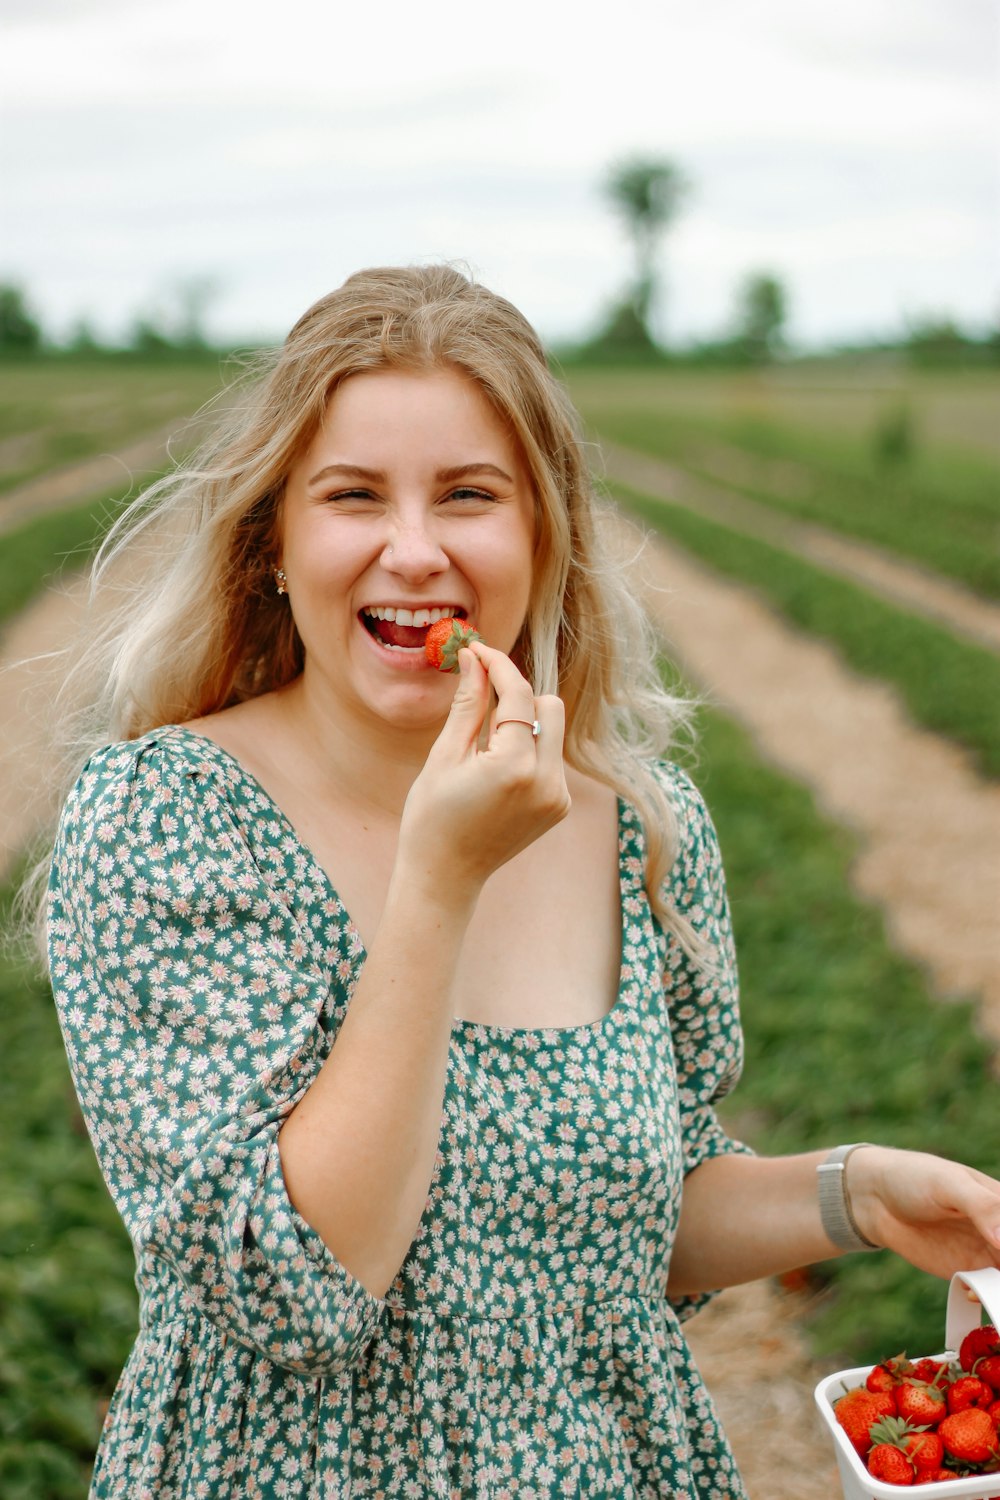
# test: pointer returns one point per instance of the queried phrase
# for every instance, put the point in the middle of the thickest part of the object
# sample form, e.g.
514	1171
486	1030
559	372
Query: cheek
319	558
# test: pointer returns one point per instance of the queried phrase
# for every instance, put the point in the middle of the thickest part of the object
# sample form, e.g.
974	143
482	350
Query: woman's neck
343	756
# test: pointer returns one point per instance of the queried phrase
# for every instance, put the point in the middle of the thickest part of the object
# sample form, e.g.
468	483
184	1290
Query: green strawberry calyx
893	1430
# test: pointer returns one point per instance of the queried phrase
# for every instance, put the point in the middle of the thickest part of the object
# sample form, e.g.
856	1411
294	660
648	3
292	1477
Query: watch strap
835	1201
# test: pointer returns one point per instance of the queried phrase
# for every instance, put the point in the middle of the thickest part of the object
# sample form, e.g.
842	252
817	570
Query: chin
426	717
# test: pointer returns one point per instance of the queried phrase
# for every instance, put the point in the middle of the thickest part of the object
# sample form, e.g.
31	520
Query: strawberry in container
931	1422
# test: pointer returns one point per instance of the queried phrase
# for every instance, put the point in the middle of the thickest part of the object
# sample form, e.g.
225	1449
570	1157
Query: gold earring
280	581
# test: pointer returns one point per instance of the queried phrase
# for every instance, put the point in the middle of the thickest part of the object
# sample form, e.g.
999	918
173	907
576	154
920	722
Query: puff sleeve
193	1021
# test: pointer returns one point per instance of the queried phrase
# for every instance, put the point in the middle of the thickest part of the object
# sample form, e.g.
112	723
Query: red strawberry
969	1436
933	1476
982	1340
931	1370
922	1404
969	1390
858	1410
888	1463
881	1378
887	1375
445	638
994	1413
988	1369
924	1449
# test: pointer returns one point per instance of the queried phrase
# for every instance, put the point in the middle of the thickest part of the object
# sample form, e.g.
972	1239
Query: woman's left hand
937	1214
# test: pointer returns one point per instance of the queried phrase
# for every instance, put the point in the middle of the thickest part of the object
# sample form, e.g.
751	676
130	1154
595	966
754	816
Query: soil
928	829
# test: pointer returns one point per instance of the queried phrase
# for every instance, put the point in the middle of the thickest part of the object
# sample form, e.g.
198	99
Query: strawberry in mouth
401	629
445	640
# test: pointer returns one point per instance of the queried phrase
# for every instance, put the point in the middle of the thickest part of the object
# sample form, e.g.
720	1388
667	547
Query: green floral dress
526	1350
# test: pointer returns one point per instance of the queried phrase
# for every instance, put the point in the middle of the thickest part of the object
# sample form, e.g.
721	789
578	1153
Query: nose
412	549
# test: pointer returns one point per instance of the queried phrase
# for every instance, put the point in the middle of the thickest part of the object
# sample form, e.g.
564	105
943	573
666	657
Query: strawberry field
845	1040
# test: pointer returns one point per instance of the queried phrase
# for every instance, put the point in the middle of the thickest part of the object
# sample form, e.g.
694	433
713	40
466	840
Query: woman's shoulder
677	784
685	798
153	767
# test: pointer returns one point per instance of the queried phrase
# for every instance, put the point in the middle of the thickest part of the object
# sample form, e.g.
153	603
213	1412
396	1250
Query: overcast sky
850	148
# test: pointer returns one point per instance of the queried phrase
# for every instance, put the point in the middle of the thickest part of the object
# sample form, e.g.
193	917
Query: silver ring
531	724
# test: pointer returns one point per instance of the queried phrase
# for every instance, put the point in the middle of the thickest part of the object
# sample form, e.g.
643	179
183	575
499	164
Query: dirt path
119	472
904	583
750	1348
929	831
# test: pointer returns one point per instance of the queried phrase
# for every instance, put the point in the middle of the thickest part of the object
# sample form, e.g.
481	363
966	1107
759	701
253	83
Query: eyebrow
378	476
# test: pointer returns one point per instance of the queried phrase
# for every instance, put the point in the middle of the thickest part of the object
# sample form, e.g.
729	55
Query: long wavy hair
203	628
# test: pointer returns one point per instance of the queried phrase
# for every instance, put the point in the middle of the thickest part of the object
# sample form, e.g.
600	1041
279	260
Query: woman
398	1009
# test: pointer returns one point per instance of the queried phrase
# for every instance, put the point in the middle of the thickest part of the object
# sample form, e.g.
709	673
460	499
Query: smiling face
411	502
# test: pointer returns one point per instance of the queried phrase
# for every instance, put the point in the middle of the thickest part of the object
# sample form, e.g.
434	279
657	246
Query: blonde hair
206	629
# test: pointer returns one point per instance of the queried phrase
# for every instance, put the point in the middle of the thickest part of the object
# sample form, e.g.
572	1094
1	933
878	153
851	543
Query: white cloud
282	147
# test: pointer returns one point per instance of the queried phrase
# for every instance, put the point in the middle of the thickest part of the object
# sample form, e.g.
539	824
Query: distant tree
939	341
177	322
762	306
894	436
147	336
194	295
647	193
83	338
20	331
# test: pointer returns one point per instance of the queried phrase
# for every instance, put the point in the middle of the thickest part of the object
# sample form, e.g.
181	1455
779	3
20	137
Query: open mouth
405	629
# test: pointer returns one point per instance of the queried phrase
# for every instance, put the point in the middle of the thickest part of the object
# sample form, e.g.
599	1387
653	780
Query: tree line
647	194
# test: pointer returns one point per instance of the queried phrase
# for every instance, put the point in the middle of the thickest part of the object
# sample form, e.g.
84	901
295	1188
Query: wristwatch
835	1201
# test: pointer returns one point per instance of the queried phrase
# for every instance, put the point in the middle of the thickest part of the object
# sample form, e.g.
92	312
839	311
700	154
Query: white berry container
961	1317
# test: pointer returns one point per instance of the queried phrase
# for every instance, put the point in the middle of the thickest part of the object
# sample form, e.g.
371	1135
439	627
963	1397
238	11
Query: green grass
67	1304
952	412
949	686
57	411
941	507
53	543
844	1042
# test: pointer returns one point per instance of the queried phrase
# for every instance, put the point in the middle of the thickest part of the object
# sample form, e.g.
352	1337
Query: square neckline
627	886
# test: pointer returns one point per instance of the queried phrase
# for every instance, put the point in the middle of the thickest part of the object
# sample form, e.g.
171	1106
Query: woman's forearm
358	1150
744	1217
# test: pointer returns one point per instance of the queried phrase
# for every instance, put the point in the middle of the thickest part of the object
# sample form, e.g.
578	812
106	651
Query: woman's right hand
471	810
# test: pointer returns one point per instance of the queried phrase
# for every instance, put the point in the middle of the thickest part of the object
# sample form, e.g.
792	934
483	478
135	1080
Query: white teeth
412	616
